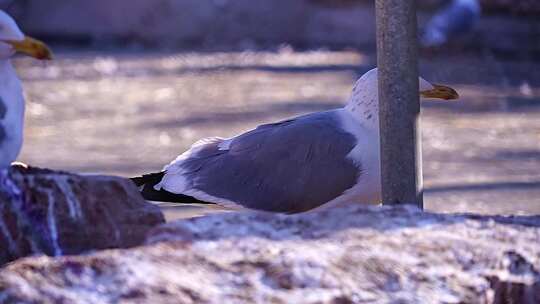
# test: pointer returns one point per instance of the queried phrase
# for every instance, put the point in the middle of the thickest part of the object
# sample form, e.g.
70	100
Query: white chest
366	154
11	114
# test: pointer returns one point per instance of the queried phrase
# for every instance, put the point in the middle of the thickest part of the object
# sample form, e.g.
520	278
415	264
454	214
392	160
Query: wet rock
62	213
516	280
348	255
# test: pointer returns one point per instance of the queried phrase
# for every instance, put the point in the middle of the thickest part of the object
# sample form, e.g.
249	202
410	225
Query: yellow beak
31	47
440	92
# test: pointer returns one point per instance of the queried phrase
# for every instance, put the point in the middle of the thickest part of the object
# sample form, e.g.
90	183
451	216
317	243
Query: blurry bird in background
12	103
456	18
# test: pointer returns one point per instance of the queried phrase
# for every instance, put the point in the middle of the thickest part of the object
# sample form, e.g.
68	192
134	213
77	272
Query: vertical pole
399	105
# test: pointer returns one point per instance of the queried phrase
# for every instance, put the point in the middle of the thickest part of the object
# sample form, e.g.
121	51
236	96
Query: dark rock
516	280
62	213
347	255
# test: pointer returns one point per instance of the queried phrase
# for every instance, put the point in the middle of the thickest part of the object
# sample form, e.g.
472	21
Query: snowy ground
130	113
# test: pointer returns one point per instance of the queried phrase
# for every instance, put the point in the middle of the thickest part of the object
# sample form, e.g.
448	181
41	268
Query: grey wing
290	166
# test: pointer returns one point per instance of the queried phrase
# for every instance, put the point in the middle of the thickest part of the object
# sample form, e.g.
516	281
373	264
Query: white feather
174	180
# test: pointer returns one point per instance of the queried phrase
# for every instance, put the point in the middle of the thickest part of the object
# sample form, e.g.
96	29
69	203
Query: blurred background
135	83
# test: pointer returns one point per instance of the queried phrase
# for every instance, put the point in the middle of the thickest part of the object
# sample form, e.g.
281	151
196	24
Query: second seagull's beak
440	92
31	47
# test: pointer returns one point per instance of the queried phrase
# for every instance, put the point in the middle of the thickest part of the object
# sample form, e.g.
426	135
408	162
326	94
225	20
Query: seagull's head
364	100
12	41
369	82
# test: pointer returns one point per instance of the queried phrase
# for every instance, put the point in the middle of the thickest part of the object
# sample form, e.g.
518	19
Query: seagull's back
290	166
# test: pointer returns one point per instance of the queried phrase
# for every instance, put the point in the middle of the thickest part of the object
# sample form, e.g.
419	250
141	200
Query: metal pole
399	105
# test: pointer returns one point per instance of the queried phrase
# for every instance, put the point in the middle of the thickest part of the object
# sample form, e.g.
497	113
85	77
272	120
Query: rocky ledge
62	213
348	255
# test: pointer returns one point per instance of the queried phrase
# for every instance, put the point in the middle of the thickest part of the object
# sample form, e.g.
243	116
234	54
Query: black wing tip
151	194
148	181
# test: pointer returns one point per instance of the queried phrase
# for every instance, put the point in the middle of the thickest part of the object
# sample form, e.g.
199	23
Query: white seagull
317	160
12	40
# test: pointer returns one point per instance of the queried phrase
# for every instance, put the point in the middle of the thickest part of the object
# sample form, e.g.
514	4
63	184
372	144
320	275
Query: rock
347	255
63	213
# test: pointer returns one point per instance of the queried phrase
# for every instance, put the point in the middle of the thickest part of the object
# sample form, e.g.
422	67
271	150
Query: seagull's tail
148	181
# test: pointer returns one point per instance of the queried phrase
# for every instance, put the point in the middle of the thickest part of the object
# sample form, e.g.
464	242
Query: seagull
12	41
317	160
458	17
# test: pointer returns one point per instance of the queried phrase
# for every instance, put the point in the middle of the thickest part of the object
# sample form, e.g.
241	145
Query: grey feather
289	166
